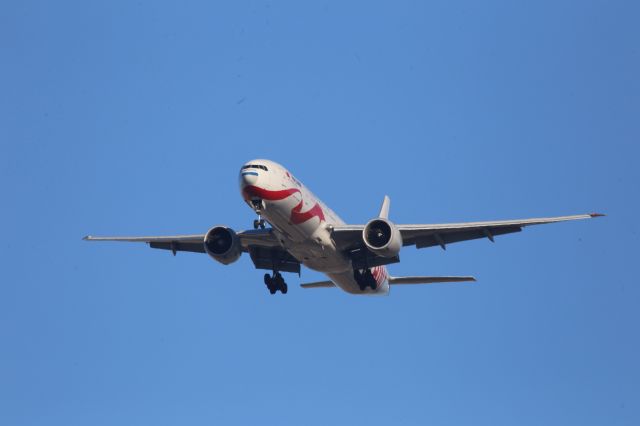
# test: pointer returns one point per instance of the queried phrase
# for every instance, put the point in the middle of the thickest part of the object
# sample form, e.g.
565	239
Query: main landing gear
365	279
275	283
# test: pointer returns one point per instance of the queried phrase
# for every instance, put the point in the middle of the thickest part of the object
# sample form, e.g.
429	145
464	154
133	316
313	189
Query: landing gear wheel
275	282
259	223
360	279
268	281
365	279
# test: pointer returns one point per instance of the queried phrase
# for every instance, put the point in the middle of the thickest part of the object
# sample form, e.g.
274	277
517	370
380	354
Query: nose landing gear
275	283
259	222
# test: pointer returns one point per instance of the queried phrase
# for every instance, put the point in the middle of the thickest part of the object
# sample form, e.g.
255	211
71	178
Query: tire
360	279
284	288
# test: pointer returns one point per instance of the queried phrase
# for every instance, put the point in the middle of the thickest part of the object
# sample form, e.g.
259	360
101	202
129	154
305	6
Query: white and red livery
304	231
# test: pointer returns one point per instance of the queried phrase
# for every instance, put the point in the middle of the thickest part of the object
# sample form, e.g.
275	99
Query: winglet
86	238
384	209
597	214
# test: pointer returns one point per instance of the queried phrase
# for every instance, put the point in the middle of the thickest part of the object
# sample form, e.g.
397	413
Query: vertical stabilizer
384	210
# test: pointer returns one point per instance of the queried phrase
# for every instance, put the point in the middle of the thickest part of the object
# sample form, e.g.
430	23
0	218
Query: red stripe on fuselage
379	274
265	194
297	217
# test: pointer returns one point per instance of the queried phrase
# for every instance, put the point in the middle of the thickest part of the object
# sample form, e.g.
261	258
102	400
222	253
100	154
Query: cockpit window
255	166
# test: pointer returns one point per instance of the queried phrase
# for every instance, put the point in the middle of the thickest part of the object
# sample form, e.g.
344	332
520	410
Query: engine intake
222	244
382	237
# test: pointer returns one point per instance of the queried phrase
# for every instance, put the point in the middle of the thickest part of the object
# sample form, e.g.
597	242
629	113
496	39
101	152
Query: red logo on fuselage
297	216
379	274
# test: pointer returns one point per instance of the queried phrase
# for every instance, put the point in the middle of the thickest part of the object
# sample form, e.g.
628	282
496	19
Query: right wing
261	244
193	243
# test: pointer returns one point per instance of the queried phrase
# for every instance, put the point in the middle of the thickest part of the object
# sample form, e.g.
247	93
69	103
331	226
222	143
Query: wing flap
274	259
432	239
193	247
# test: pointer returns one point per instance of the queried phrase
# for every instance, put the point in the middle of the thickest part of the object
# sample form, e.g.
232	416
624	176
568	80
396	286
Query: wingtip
597	214
86	238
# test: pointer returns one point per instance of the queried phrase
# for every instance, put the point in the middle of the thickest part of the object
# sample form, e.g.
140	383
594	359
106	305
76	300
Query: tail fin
384	209
428	280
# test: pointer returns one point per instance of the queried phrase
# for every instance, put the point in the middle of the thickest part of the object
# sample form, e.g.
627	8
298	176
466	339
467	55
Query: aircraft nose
248	177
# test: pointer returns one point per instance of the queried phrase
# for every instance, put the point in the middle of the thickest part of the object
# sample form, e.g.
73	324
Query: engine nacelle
382	237
222	244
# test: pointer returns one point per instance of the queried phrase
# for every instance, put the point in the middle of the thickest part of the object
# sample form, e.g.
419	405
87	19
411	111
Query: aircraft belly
309	241
318	257
304	235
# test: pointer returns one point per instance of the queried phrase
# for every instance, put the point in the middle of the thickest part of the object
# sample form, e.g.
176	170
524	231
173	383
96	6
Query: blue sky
134	118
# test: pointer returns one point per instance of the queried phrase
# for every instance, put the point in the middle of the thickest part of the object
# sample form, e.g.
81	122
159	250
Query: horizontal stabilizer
318	284
399	280
428	280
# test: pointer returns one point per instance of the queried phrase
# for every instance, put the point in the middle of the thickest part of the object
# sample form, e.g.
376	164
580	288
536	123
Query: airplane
304	231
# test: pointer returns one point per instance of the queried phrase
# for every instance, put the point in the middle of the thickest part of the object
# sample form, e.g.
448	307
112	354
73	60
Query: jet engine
222	244
382	237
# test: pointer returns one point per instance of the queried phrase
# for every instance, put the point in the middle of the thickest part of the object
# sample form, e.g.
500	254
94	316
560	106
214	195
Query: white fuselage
302	223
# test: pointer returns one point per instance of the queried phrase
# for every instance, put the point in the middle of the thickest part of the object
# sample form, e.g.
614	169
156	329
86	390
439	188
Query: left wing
349	237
